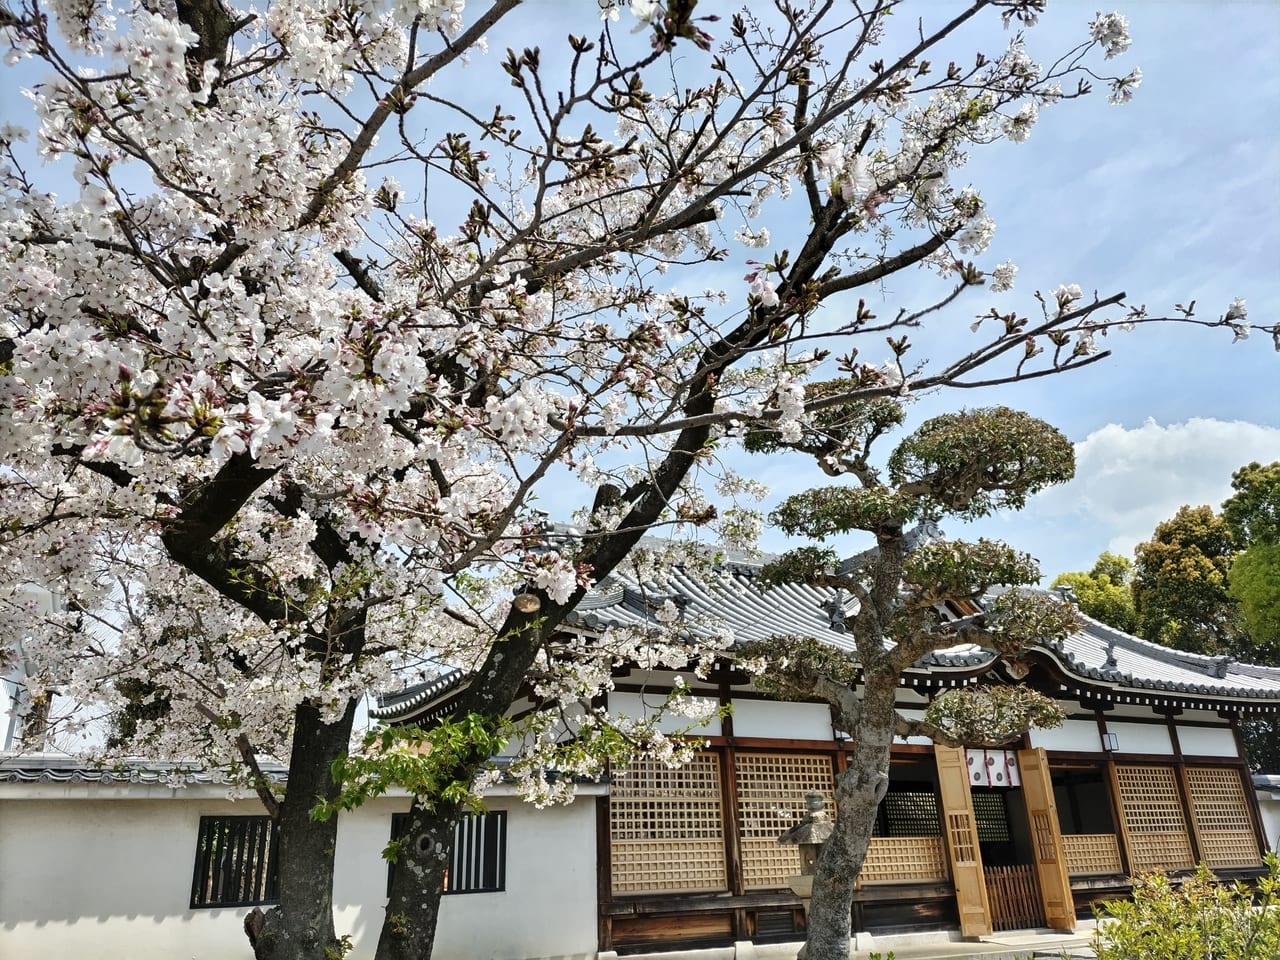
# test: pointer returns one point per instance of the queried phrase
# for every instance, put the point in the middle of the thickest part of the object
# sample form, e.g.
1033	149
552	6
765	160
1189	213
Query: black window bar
236	862
478	860
908	812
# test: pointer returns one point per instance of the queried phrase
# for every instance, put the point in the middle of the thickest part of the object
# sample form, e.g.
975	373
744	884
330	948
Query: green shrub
1197	919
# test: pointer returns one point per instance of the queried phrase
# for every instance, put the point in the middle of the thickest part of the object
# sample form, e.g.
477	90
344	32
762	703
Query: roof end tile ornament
834	609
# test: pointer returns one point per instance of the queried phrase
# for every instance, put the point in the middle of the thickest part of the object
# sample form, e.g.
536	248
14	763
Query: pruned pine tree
912	595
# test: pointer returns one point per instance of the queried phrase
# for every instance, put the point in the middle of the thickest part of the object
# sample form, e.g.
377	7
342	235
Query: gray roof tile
728	596
57	768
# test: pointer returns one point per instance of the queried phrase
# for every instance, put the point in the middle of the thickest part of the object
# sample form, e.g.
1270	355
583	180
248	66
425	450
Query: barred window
993	819
910	811
478	861
236	862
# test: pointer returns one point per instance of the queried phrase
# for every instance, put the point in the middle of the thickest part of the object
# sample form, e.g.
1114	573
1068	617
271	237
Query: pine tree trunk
301	927
859	791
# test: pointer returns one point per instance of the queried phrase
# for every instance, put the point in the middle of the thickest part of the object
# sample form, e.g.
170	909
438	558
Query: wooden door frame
1048	855
960	829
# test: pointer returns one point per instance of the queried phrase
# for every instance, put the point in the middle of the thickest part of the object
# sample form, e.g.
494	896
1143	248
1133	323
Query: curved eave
1108	685
411	703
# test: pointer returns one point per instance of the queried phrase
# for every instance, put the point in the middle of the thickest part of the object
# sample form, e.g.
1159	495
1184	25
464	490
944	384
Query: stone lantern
809	835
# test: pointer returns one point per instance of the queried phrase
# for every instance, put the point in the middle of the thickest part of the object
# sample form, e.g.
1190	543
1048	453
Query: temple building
1148	772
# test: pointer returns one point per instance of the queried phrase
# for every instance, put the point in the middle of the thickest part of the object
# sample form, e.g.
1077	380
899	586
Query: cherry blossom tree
308	304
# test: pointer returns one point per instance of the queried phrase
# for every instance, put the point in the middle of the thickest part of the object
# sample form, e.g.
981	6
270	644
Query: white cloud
1128	480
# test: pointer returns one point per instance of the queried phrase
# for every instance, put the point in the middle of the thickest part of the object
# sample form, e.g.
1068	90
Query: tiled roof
58	768
1109	663
1097	655
43	768
727	598
1103	654
393	706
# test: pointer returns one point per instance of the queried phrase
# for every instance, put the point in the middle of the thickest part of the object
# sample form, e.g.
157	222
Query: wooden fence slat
1014	897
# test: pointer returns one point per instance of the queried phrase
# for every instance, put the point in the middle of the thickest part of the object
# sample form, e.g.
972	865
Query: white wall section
110	879
781	721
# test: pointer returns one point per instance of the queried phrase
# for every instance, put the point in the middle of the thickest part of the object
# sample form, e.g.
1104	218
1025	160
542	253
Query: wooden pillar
1046	840
729	819
1184	792
1255	814
604	874
729	822
1188	811
961	832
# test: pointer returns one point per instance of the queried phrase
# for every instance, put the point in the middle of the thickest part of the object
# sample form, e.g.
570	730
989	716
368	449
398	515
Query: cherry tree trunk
301	927
413	909
859	791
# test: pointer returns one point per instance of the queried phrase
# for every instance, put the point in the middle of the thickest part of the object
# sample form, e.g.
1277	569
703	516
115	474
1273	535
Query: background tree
1252	514
1104	593
961	465
1255	586
275	420
1180	589
1206	581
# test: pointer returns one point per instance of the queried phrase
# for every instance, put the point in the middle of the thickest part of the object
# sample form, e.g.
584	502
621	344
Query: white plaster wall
639	706
1142	737
782	721
549	907
102	879
1199	716
1207	742
1269	806
1072	735
913	715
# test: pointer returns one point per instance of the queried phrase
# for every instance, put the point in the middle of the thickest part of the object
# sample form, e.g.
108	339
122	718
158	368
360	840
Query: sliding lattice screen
1222	817
1153	816
771	789
1091	854
665	827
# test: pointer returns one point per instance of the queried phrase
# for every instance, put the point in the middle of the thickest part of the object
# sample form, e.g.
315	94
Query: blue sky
1175	196
1172	197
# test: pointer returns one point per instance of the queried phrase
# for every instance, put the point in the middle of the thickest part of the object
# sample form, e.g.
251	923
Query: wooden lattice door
1155	829
1014	897
771	789
666	830
960	829
1046	840
1223	824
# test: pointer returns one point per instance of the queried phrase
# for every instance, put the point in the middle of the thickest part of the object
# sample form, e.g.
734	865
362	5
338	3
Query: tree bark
413	909
859	790
301	927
